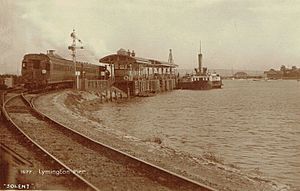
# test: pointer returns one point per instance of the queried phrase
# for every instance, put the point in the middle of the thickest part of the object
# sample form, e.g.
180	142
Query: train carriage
42	70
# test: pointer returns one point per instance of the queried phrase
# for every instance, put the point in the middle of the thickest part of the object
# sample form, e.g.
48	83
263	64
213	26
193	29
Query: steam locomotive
44	70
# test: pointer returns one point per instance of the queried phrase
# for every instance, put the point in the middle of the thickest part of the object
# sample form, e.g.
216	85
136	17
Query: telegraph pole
73	48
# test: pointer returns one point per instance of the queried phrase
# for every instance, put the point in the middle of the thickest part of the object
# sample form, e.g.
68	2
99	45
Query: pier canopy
125	65
123	59
126	59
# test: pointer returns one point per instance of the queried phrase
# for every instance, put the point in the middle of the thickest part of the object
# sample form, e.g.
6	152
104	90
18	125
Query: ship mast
200	61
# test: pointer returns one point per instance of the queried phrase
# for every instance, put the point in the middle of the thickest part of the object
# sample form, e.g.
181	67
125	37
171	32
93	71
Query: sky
235	34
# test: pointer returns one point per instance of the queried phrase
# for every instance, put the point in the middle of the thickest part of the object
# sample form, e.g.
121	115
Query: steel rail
10	121
127	157
17	157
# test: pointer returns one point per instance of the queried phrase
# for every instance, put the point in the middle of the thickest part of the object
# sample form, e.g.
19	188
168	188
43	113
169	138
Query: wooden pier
104	88
137	76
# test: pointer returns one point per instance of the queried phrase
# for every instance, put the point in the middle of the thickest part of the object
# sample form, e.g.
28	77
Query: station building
137	76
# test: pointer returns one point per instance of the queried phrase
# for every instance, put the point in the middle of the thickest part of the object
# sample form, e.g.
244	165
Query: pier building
137	76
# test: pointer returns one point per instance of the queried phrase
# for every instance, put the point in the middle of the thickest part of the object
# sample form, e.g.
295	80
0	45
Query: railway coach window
56	67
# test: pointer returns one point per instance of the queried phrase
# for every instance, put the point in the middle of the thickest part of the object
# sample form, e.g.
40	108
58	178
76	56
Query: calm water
254	125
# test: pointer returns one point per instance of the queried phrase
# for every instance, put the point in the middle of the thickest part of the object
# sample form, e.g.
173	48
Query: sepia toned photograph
150	95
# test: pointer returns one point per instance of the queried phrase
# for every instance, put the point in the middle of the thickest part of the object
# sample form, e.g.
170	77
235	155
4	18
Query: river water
253	125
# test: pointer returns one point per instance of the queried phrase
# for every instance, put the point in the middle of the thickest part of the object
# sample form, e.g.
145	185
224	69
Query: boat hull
195	85
217	84
200	85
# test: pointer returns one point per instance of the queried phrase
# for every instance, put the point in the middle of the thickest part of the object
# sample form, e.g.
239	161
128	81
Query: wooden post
106	94
1	103
148	72
128	93
110	92
2	98
128	90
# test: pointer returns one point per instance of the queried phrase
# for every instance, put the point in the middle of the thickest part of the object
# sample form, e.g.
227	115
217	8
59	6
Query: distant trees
283	68
294	72
241	75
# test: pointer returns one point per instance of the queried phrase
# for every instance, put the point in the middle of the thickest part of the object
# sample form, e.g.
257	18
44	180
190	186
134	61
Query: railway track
100	166
33	178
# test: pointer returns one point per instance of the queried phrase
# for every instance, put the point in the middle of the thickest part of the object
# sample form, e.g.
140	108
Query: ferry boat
201	80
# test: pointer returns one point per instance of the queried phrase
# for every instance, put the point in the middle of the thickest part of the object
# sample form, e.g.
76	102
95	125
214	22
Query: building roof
126	59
